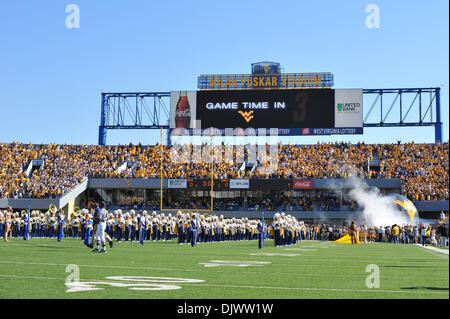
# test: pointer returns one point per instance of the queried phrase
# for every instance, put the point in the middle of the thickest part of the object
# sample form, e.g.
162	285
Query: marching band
130	226
190	228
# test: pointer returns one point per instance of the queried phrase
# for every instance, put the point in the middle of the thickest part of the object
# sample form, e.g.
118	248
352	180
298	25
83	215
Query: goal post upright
212	170
161	173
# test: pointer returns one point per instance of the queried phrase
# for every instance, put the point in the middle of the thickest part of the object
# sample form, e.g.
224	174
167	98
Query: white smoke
378	209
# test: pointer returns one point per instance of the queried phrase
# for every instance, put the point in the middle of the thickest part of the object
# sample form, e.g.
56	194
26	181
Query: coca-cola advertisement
302	184
183	109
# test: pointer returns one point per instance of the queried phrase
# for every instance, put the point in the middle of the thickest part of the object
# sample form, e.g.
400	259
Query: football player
100	231
100	211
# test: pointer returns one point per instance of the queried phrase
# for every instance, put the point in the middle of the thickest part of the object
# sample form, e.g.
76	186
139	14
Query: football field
45	268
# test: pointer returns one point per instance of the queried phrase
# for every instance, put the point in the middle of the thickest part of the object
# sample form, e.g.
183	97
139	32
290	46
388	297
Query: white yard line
31	277
197	270
267	287
227	271
443	251
325	289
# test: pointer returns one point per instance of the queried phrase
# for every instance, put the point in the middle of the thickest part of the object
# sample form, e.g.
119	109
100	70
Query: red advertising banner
302	184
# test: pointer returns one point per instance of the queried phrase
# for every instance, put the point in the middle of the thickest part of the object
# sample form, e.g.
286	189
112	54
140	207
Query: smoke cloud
378	209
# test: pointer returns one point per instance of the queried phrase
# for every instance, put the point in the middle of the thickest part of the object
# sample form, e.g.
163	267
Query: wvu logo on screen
247	115
266	68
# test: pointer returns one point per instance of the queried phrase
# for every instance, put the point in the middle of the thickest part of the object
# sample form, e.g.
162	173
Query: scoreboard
306	111
205	184
237	184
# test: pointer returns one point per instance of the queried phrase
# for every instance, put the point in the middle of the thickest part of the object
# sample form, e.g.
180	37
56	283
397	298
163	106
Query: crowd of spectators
423	168
396	234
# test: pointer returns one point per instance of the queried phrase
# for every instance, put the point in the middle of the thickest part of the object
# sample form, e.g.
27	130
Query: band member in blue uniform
26	224
148	228
88	229
133	225
83	217
120	227
75	224
2	222
32	224
61	226
276	229
42	226
155	230
180	228
260	235
15	225
188	229
194	231
142	227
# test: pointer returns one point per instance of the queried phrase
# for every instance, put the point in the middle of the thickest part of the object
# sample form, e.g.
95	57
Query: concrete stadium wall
389	183
432	206
154	183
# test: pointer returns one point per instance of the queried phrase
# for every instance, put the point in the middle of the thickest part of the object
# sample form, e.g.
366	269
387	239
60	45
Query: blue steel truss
135	110
409	107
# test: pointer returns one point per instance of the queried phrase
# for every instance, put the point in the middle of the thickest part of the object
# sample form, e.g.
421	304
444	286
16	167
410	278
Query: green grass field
226	270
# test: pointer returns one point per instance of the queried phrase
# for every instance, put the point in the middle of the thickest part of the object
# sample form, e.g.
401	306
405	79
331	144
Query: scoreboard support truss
133	110
148	110
414	107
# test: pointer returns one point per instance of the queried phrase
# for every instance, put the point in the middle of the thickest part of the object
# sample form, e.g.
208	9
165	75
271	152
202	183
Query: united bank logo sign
177	183
349	107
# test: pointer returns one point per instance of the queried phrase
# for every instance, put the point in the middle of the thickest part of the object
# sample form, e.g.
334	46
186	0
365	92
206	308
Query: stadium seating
423	168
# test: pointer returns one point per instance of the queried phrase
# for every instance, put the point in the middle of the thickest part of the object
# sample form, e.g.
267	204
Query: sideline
443	251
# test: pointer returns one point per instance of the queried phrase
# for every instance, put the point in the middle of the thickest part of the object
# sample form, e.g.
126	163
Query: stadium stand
422	168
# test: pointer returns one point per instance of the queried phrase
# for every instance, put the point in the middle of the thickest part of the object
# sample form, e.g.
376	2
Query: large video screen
266	108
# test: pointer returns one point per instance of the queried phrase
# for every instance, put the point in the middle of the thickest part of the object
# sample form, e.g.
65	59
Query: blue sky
51	77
